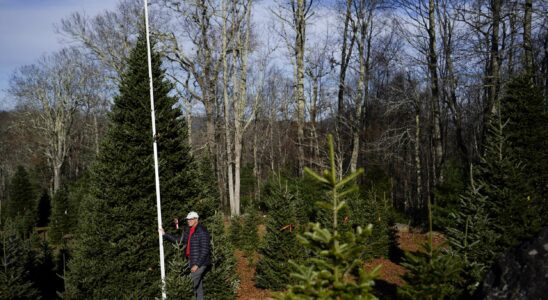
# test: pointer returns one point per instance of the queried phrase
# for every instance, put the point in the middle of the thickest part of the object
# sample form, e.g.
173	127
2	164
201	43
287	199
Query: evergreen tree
16	261
447	194
523	108
236	231
44	210
472	237
178	281
116	254
62	217
514	214
334	270
280	241
43	274
221	281
250	236
22	206
432	273
497	210
376	210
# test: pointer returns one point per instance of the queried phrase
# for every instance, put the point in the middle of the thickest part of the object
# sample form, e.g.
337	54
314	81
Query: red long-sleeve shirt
188	241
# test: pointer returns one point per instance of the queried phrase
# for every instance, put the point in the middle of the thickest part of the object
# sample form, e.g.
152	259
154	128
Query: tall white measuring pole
155	147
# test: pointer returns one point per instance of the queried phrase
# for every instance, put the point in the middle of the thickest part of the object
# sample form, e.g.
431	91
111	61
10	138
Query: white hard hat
192	215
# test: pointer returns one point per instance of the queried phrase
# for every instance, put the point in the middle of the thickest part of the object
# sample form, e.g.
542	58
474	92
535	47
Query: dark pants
197	282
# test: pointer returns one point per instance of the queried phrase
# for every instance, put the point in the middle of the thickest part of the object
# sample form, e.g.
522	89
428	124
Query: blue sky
27	32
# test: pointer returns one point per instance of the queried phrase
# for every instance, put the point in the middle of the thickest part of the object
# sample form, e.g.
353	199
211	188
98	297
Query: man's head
192	218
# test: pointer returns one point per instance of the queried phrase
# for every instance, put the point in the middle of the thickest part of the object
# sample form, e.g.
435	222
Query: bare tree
527	41
108	36
364	21
50	93
295	14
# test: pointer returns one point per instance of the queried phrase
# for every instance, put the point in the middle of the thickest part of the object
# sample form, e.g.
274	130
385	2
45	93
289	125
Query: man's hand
194	268
161	231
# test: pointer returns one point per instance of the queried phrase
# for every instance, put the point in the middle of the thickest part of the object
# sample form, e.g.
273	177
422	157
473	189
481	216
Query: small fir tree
43	274
62	217
16	261
22	201
44	210
447	194
432	272
334	270
178	281
374	209
280	241
236	231
250	235
116	252
221	281
471	236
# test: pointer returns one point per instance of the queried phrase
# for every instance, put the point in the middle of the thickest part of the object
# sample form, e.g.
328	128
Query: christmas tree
280	241
116	252
524	111
22	206
15	263
335	269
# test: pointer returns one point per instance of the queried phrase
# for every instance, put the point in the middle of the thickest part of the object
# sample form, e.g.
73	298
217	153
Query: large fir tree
514	213
524	110
116	253
497	210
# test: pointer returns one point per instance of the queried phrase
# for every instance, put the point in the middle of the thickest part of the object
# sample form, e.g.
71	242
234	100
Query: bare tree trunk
300	38
345	60
313	113
365	37
228	143
493	67
527	44
256	174
418	164
434	86
240	102
96	133
188	116
450	80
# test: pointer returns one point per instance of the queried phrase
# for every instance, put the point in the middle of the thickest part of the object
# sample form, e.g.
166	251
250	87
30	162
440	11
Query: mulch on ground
389	271
412	241
248	290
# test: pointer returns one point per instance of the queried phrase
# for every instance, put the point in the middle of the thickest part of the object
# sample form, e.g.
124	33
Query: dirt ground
247	290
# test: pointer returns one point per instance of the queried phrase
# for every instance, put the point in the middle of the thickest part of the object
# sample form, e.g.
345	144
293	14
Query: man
196	244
